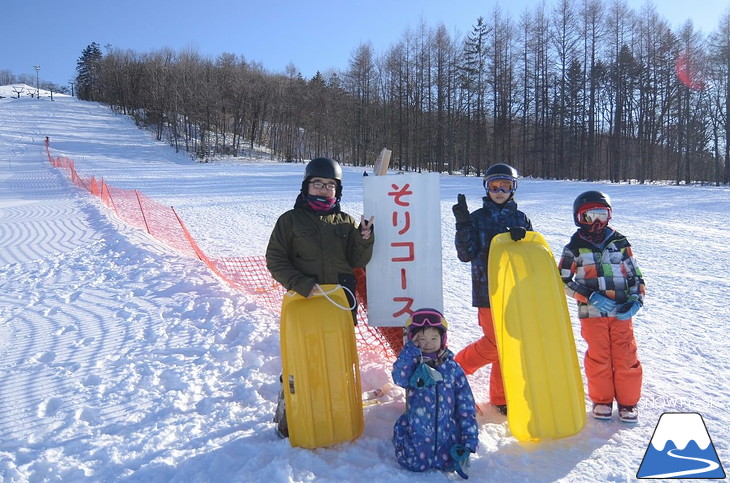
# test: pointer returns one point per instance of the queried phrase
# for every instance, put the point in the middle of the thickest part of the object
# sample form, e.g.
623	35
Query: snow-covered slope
122	361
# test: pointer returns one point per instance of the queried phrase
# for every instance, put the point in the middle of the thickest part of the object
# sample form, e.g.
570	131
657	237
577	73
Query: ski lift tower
37	84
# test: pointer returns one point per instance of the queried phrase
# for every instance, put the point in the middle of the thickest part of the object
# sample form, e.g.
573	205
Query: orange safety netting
248	274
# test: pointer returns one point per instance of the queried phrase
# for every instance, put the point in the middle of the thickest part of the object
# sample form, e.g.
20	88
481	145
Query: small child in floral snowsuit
439	428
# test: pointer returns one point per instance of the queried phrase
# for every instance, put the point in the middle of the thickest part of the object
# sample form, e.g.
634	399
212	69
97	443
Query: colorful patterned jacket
609	269
437	416
473	241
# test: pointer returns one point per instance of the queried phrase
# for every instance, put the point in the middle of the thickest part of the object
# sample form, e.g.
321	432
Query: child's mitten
601	302
424	376
461	460
629	309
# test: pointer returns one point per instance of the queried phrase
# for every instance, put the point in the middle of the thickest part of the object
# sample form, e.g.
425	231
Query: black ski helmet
323	168
501	171
590	199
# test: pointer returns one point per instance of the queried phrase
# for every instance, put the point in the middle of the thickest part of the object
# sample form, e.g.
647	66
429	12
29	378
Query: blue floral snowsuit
437	416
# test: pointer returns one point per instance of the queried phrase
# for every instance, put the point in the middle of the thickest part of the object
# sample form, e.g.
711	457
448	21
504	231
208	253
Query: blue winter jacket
473	241
436	417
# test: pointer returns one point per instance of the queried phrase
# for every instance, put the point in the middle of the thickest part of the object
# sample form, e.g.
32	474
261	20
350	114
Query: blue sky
311	34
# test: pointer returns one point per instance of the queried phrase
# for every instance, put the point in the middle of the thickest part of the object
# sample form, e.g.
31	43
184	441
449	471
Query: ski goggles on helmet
426	318
505	185
593	215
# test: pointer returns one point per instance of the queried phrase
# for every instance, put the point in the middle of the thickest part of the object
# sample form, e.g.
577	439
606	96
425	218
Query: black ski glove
461	212
517	233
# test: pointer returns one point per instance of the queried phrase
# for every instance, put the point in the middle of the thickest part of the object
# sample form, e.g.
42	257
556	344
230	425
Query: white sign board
404	273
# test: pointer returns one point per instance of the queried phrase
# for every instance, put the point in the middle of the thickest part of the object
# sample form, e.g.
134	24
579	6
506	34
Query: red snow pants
483	352
612	366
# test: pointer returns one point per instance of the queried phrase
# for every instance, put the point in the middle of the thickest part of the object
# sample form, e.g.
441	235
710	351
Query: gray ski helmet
501	171
323	168
589	199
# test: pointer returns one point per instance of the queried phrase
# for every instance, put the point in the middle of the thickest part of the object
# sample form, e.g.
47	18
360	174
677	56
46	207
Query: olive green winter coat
306	248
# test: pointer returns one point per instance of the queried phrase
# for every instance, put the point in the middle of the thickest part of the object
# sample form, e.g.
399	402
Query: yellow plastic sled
321	371
542	379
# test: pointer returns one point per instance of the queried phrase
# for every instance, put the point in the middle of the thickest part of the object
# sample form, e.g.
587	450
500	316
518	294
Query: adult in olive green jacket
315	242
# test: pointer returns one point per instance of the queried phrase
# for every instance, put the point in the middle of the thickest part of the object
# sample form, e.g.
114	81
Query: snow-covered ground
121	360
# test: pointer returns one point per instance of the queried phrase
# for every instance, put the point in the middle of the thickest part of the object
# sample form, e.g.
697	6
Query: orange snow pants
612	366
483	352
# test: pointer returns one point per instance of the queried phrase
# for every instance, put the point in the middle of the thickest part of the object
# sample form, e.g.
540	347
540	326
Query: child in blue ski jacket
474	233
439	428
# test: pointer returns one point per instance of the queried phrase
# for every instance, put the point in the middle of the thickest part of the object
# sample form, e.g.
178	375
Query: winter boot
282	428
502	408
628	414
602	411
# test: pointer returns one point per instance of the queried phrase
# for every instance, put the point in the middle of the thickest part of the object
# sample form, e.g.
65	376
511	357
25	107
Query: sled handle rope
326	295
352	297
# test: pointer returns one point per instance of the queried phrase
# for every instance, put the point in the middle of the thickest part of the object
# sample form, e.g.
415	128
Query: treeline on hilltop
582	90
8	78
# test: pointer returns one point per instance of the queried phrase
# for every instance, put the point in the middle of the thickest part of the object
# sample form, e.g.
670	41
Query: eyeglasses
593	215
503	185
320	185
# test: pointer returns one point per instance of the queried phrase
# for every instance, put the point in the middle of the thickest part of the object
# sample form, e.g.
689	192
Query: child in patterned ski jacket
599	271
439	428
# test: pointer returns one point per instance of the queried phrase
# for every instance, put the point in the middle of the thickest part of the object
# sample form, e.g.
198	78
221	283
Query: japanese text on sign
405	271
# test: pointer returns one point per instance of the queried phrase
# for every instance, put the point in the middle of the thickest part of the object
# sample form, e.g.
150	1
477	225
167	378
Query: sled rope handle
326	295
